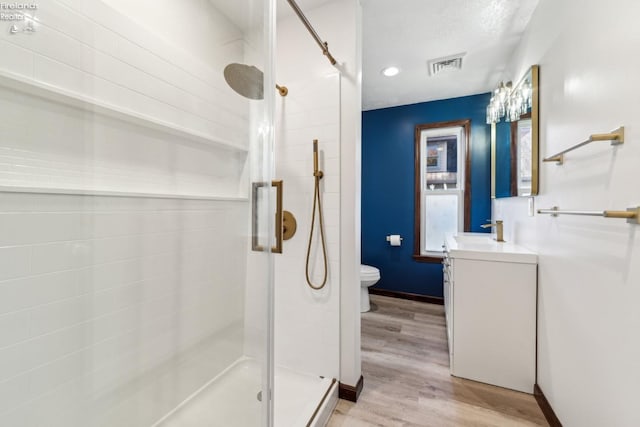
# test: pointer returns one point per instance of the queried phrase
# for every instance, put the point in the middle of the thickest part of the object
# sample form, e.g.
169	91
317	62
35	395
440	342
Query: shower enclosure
129	291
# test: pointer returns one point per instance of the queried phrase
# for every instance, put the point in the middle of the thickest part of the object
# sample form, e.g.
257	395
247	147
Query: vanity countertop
483	247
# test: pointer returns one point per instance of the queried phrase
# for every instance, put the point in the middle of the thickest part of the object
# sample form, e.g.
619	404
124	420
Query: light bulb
390	71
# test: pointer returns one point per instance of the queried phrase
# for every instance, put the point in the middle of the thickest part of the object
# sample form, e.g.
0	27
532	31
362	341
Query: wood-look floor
405	364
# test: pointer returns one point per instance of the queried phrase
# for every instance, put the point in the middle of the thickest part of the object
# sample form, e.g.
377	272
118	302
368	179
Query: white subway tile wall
91	51
111	293
307	328
113	310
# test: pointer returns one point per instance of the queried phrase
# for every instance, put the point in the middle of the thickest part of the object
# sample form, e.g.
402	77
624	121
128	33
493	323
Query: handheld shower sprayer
316	172
317	201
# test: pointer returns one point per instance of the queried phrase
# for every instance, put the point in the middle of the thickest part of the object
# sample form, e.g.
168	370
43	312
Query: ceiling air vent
438	65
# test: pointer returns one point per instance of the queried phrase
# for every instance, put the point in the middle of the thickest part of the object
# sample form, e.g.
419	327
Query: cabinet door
447	270
446	274
494	323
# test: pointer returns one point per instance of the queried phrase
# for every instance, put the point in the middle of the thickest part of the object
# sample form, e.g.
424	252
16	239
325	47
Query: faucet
499	229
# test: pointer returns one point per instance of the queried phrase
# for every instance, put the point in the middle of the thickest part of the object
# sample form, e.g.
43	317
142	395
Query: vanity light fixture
508	102
390	71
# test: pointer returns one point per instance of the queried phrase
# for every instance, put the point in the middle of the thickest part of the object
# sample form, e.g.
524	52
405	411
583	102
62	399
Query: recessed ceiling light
390	71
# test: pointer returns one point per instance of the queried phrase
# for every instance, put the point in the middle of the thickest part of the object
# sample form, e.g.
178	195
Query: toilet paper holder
394	239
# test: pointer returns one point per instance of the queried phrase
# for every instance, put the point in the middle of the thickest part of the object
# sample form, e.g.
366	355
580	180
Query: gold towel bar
632	215
616	137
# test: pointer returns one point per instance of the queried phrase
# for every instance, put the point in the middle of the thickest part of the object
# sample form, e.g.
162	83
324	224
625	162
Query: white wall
195	26
115	309
307	322
350	64
589	281
325	106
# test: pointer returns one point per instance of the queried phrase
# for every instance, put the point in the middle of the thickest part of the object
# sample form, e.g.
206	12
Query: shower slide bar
632	215
616	137
323	45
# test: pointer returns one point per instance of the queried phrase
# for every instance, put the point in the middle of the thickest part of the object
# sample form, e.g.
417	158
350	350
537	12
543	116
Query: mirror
514	145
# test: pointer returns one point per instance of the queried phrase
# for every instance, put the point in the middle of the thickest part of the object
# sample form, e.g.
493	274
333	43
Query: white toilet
369	276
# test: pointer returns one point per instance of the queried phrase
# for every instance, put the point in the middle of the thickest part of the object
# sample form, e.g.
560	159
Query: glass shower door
129	291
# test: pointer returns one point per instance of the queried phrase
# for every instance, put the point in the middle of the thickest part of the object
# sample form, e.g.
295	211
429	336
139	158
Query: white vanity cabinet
490	307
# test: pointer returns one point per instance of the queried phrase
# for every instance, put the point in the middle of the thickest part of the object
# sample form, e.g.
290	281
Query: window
442	185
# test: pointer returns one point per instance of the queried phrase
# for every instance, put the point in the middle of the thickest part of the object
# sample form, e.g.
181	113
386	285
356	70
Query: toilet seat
368	272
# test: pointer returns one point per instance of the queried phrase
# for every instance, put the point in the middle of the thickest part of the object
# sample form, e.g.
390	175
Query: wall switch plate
531	206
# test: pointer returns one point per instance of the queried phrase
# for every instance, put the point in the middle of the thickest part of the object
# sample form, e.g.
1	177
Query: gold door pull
285	222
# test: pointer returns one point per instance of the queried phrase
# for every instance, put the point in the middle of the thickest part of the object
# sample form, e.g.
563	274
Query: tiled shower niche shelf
86	103
53	94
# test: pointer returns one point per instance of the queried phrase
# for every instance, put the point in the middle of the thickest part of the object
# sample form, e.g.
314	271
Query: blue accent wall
388	186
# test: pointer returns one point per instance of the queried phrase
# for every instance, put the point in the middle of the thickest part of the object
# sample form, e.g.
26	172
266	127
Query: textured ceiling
408	33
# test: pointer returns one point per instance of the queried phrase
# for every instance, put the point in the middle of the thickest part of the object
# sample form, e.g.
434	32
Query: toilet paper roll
394	240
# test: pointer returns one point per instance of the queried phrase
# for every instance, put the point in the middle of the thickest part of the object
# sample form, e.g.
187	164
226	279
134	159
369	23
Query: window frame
465	124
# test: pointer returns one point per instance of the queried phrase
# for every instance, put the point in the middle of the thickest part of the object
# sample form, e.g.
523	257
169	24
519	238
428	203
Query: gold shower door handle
279	220
279	228
285	225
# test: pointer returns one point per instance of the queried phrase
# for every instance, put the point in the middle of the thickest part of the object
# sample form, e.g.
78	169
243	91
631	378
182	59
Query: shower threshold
233	399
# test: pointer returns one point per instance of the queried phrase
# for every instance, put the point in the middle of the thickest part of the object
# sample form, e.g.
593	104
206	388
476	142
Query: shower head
247	80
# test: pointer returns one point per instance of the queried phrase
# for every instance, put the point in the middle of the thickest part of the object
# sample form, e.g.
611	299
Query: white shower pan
232	399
